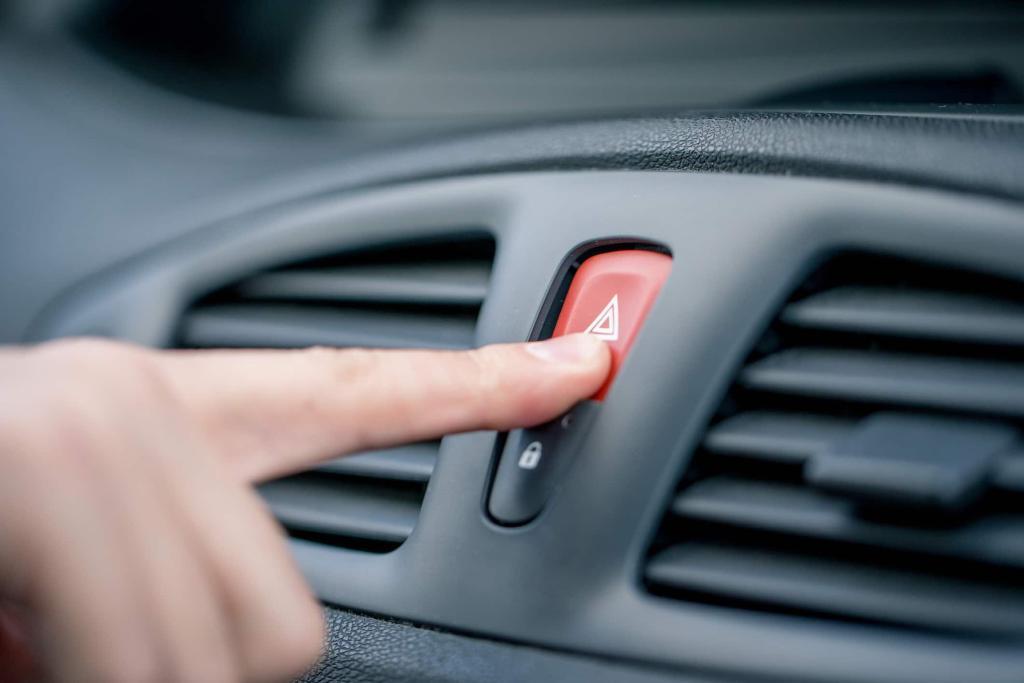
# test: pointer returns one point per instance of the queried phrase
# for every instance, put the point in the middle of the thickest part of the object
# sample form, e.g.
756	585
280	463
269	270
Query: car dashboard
808	468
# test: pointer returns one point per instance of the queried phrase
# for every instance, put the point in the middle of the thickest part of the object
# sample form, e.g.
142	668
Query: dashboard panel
749	203
571	578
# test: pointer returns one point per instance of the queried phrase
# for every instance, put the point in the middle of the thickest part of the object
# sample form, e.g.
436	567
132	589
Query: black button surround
533	462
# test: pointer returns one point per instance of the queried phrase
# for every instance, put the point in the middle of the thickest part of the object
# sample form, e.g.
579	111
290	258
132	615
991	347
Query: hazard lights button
610	296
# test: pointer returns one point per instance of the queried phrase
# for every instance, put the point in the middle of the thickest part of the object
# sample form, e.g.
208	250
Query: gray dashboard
747	204
570	579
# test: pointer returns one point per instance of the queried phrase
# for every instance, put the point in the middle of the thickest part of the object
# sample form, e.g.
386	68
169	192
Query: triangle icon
606	324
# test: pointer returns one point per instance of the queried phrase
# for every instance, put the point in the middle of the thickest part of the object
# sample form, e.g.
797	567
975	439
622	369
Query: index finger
275	412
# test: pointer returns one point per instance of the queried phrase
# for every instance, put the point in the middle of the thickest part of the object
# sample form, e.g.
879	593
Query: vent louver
866	464
422	295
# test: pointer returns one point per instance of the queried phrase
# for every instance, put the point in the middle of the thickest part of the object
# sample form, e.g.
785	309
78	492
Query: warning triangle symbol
606	324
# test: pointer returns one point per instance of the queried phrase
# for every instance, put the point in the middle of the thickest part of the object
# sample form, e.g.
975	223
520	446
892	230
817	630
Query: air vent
422	295
866	465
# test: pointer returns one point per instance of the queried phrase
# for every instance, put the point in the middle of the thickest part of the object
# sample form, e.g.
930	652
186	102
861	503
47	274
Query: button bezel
543	328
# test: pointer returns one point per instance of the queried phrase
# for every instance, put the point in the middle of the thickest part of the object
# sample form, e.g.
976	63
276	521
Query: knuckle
320	352
89	370
341	366
347	364
325	365
73	396
89	357
149	377
80	350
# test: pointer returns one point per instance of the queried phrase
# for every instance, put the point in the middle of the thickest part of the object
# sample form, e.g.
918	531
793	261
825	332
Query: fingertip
571	368
581	362
574	349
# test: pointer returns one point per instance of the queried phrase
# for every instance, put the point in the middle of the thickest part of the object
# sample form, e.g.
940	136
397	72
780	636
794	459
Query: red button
610	296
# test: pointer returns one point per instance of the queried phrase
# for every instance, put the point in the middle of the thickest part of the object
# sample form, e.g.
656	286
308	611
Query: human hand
132	545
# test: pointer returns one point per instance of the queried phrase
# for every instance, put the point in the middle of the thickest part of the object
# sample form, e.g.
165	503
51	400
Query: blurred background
507	60
123	120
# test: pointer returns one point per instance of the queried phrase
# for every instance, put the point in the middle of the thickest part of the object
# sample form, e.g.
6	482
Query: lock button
530	457
528	469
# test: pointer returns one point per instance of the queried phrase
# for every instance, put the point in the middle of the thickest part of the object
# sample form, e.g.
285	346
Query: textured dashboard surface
134	168
362	649
980	155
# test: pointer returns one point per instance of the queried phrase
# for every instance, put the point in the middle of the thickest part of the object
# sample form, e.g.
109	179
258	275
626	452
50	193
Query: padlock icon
530	457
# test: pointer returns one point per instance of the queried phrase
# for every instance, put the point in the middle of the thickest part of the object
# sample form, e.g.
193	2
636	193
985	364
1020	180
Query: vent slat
774	436
268	326
344	509
793	438
433	284
891	379
802	512
835	587
413	463
918	314
424	293
882	373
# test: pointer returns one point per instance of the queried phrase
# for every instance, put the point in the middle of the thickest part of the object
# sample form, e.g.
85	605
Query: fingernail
575	348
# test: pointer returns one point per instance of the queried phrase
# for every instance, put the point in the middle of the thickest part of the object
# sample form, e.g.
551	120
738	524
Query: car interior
809	465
